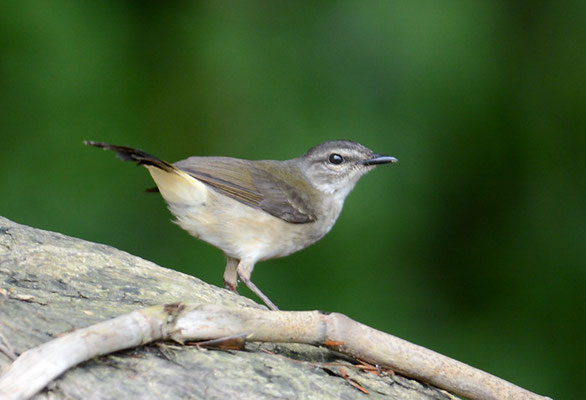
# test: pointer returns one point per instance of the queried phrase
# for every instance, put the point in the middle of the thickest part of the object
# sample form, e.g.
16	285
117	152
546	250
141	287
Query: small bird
257	210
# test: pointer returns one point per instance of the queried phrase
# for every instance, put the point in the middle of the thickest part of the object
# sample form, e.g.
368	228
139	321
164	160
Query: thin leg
230	274
244	271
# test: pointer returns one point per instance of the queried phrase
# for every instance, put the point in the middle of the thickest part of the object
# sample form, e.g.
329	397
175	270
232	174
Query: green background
473	245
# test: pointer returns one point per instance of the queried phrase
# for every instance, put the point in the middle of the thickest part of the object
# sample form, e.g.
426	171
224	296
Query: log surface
51	284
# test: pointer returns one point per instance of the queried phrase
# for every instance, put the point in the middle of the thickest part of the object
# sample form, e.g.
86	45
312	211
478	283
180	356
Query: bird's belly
244	232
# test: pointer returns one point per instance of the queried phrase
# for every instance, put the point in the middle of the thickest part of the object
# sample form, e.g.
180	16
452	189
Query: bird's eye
335	159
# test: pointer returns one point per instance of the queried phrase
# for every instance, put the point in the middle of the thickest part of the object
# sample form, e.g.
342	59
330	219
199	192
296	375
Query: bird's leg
230	274
244	271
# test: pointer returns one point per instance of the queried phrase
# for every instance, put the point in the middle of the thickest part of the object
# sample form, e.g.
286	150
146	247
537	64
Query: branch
51	283
35	368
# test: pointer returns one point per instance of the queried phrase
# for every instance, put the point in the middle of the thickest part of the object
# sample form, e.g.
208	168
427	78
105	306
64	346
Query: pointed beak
379	159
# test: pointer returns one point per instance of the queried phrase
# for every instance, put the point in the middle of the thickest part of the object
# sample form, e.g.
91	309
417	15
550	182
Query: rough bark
51	284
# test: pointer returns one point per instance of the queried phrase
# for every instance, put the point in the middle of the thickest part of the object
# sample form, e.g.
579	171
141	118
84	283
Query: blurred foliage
474	245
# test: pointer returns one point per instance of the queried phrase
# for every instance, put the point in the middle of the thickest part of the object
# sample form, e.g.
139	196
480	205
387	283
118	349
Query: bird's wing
251	185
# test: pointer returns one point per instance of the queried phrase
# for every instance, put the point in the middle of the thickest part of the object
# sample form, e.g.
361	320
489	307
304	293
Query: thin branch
35	368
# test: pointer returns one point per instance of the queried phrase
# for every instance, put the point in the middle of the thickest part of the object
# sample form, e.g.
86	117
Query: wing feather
249	184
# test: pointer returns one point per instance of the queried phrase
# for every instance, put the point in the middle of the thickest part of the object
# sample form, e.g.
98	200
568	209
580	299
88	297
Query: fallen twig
35	368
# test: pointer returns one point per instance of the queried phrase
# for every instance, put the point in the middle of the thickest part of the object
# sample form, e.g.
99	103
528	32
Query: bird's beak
379	159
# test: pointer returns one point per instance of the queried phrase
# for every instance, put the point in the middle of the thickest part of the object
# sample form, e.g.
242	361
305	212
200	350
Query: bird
257	210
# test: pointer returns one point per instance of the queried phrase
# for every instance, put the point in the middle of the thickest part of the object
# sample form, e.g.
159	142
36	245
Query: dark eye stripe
335	159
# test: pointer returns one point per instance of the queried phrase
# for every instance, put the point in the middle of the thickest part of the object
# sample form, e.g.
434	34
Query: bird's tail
129	154
176	186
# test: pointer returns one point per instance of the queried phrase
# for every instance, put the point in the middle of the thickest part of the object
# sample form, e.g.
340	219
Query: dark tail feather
129	154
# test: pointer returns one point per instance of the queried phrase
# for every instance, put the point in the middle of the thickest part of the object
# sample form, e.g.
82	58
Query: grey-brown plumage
257	210
250	184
